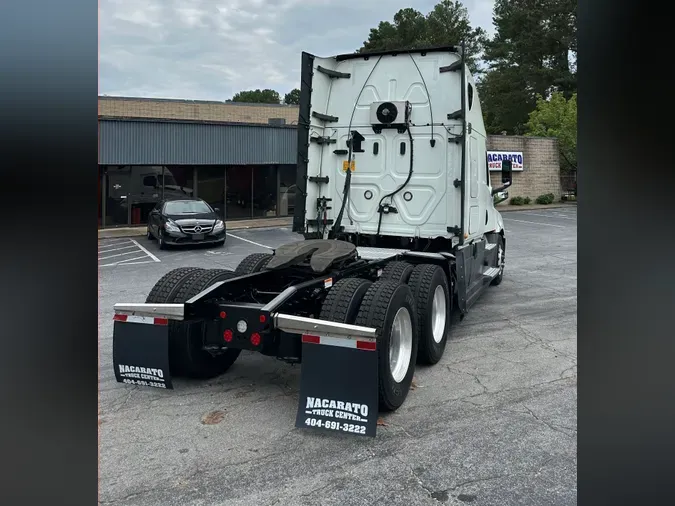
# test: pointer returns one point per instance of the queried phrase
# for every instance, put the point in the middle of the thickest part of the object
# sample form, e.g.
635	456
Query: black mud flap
338	385
141	351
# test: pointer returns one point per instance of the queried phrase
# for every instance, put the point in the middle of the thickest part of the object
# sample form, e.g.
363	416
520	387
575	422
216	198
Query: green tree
292	97
532	53
447	24
258	97
557	117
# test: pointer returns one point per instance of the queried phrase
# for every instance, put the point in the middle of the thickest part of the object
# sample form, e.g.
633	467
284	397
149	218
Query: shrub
527	200
517	201
549	198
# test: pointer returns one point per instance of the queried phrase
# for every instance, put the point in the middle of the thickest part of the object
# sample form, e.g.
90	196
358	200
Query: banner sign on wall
495	159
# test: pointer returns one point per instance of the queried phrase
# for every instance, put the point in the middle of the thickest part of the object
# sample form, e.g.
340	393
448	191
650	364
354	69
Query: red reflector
227	335
263	318
311	339
161	321
120	317
366	345
223	315
255	339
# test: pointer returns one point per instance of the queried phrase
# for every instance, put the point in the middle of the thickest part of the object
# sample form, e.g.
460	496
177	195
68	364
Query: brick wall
195	110
541	172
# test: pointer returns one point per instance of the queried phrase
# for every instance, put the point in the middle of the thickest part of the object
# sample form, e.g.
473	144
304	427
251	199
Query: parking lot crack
474	376
547	424
415	476
479	480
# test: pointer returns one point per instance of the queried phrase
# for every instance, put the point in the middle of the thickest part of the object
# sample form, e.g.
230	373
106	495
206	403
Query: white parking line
117	255
137	263
132	252
129	261
102	250
537	223
246	240
146	251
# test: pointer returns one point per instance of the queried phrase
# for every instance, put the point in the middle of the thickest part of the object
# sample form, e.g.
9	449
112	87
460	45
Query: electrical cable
432	141
410	173
345	192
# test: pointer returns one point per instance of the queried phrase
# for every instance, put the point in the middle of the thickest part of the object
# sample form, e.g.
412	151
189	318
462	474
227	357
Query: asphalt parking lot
494	423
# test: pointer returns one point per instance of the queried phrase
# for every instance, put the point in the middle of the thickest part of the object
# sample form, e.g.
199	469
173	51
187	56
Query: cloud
211	49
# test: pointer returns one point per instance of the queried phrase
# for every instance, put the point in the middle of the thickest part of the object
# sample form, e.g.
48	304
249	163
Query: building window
211	187
287	175
276	121
265	191
239	192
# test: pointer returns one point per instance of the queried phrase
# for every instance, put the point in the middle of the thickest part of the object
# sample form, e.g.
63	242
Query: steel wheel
500	258
400	345
438	314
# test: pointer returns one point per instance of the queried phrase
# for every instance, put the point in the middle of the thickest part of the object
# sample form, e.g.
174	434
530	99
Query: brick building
241	158
541	165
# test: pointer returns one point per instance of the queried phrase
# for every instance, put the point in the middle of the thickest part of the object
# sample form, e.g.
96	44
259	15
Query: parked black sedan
185	221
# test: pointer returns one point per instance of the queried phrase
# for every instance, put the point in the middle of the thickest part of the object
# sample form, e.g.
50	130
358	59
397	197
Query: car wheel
162	243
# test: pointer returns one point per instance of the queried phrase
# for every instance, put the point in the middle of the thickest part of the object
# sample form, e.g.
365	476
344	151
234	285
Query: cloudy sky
211	49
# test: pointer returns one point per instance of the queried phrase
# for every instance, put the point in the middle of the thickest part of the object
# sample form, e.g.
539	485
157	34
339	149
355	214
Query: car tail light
263	318
227	335
255	339
223	315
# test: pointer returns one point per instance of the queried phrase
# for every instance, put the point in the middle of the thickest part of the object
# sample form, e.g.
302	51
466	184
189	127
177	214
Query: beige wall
541	173
195	110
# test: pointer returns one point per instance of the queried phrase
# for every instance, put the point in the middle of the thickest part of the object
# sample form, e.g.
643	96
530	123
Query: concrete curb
230	225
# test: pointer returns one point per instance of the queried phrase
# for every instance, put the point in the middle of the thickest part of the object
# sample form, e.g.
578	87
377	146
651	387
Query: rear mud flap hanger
339	370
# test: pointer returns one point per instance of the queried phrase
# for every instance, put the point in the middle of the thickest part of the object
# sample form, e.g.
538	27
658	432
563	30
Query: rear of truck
390	152
410	128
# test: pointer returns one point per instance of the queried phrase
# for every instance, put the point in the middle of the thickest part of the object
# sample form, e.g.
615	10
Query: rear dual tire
430	288
389	307
186	356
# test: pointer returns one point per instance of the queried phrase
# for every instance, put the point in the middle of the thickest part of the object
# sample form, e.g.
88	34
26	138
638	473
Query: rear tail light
227	335
263	318
223	315
255	339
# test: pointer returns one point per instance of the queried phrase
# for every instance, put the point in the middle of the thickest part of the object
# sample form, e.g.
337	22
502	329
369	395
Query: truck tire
252	263
344	299
501	255
390	308
206	279
397	271
167	284
429	285
186	355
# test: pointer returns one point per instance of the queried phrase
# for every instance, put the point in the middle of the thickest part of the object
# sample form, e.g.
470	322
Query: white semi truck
398	229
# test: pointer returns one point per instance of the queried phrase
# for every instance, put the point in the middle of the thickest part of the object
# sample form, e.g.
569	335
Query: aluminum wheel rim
438	314
400	345
500	255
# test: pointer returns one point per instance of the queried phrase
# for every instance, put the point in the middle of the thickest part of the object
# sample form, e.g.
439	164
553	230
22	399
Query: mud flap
141	351
339	385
